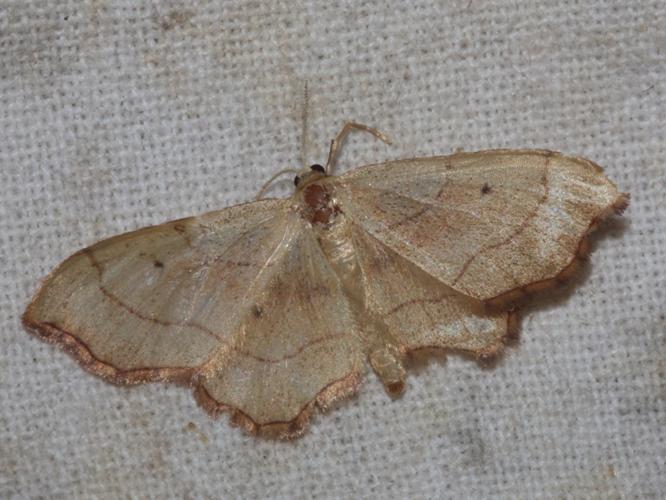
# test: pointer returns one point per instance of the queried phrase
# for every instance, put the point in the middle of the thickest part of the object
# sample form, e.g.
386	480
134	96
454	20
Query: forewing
297	347
487	224
241	302
158	302
420	311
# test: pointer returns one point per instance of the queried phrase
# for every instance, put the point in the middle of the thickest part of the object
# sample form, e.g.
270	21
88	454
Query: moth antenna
270	181
339	139
304	125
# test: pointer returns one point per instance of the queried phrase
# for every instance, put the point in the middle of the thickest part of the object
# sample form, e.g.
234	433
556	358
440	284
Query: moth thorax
320	206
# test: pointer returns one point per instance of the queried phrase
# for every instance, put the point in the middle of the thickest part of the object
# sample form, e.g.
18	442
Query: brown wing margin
288	429
84	356
335	391
518	295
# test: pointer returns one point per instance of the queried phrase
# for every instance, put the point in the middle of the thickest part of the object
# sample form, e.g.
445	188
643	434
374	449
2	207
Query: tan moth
272	308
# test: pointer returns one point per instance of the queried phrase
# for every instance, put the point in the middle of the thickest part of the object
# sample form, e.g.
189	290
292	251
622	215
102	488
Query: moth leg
337	142
268	183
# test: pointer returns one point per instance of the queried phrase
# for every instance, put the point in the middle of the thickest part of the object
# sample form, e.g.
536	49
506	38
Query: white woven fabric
117	114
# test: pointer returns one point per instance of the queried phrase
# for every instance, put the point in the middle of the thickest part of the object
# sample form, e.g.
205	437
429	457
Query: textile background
116	114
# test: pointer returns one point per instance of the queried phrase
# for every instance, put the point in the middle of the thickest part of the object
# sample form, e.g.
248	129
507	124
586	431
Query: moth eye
318	168
297	179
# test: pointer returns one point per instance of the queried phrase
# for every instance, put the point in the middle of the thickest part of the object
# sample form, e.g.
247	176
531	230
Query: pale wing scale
487	223
420	311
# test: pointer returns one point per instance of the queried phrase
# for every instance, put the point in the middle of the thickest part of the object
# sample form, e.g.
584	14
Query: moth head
308	175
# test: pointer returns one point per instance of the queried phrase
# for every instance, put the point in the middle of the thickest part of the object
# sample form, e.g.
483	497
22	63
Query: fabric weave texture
117	114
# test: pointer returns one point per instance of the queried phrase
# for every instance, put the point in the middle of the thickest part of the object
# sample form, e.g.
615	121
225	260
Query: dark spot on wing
158	263
486	188
257	311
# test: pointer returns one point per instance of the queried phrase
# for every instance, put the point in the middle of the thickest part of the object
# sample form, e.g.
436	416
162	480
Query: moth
272	308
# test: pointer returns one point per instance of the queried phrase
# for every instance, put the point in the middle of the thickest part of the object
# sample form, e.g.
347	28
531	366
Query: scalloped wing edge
335	391
518	295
